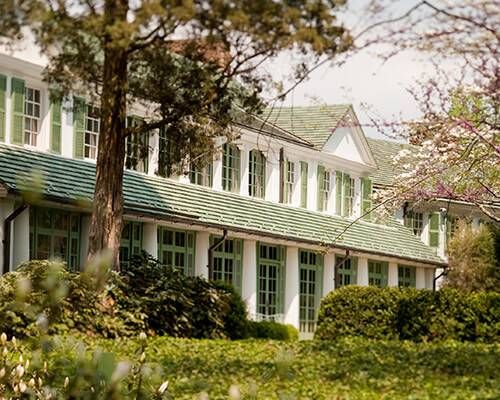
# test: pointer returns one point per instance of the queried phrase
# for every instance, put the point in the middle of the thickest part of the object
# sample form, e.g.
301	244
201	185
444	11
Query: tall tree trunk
107	212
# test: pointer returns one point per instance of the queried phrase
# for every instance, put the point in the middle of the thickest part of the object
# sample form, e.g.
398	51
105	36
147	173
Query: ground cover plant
350	368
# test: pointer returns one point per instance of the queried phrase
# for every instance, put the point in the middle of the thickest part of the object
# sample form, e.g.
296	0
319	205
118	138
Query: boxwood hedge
410	314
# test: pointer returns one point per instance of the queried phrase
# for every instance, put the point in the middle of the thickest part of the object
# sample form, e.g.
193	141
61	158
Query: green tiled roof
314	124
384	151
69	180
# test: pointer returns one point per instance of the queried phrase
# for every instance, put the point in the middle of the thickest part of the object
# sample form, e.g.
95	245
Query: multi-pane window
415	221
310	289
31	115
270	290
346	271
289	181
137	148
377	273
55	234
176	249
226	262
92	127
406	276
131	242
344	194
324	187
201	175
256	174
231	168
349	189
303	183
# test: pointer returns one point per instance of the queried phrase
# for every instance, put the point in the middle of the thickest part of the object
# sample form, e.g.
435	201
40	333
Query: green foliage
272	330
473	263
179	305
409	314
42	296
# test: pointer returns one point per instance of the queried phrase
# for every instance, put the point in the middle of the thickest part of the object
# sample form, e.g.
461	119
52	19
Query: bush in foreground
410	314
272	330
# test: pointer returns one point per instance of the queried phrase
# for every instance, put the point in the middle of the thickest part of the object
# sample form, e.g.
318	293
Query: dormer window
92	127
231	168
256	174
201	175
31	116
289	182
324	188
137	148
344	194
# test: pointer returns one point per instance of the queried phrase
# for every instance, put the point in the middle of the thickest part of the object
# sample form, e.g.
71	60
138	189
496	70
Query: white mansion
270	214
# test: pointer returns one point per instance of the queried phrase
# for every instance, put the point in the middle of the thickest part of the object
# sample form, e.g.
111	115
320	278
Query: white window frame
327	191
31	135
89	148
290	181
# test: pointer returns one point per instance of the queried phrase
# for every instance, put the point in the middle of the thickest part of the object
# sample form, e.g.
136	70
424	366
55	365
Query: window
201	175
289	181
55	234
434	222
92	127
226	261
257	174
270	290
377	273
131	242
406	276
344	194
165	154
414	221
137	148
324	187
231	168
31	115
310	289
176	249
451	227
346	271
303	184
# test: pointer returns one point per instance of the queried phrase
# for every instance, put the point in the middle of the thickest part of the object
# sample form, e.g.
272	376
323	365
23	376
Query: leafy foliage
473	265
409	314
273	330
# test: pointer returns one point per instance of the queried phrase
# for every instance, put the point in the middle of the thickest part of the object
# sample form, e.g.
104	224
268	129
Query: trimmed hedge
272	330
409	314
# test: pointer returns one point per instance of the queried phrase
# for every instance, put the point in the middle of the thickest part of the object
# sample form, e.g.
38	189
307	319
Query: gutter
211	252
6	235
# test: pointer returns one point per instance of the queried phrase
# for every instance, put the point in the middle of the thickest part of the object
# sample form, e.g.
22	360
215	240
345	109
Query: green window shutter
79	111
55	125
17	95
366	202
346	181
338	192
354	268
303	184
3	89
434	230
321	184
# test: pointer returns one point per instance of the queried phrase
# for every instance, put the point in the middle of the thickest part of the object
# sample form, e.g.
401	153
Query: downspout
337	266
282	174
444	273
211	251
6	235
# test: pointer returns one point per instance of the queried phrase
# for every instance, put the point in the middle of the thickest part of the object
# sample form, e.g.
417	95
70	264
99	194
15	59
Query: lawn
346	369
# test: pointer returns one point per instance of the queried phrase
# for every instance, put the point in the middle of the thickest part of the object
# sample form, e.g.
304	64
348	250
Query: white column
8	106
420	278
67	129
249	276
217	171
329	273
244	170
154	144
429	278
6	208
357	197
312	186
292	287
393	274
399	215
273	175
150	239
84	240
362	271
201	254
21	239
296	186
442	237
425	229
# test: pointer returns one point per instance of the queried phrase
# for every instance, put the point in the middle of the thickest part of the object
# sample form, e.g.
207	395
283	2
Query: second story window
414	221
289	182
201	175
92	127
324	187
257	174
137	148
231	168
31	116
348	195
344	194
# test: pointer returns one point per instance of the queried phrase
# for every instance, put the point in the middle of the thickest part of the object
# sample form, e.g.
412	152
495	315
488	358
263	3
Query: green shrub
409	314
272	330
